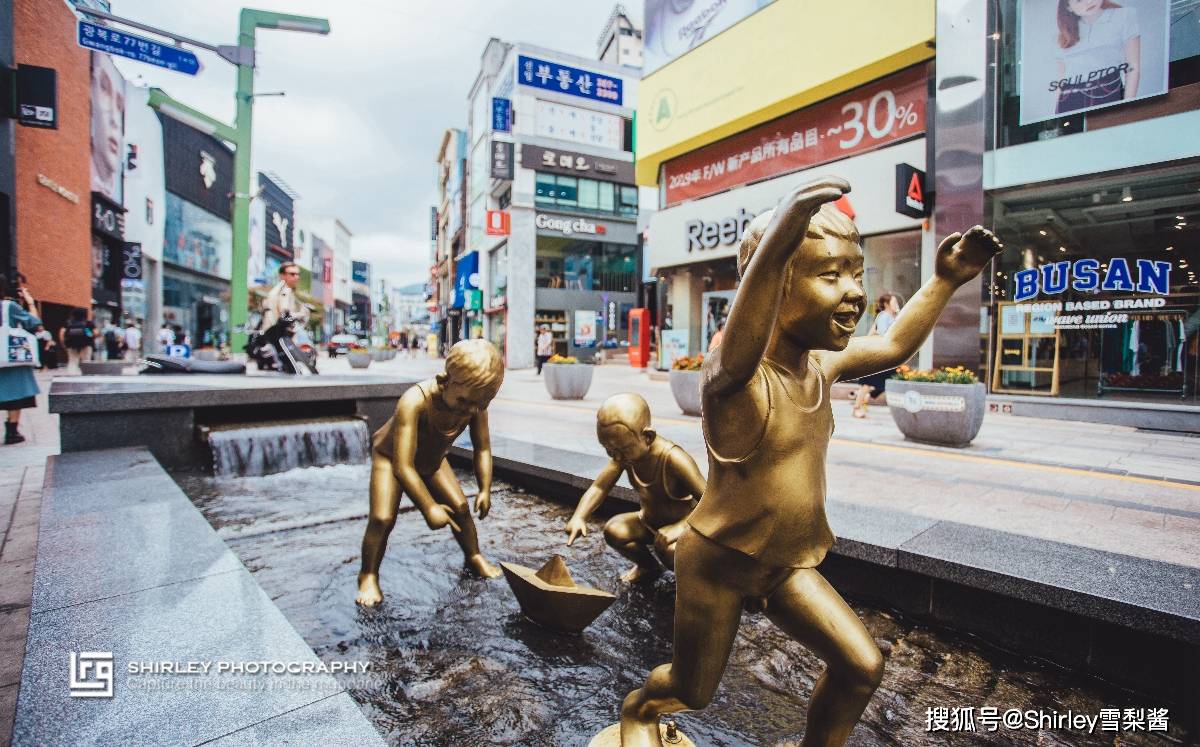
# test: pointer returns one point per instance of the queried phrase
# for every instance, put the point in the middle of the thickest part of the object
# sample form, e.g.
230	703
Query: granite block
79	502
109	552
168	433
334	720
1143	594
225	617
870	533
882	585
91	467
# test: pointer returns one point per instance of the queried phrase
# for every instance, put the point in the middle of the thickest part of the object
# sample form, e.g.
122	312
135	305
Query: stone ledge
130	566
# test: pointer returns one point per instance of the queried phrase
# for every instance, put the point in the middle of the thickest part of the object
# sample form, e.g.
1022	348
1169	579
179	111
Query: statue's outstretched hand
804	201
961	257
576	528
439	517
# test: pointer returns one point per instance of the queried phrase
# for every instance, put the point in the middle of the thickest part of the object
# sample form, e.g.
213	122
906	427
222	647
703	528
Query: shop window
568	191
1096	294
585	195
573	264
545	189
628	204
589	194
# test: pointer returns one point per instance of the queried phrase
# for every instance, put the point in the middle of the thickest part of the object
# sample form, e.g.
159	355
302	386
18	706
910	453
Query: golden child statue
760	531
408	457
664	475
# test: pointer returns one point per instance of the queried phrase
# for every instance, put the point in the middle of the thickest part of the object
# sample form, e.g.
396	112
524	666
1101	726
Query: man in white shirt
282	298
133	340
166	337
545	347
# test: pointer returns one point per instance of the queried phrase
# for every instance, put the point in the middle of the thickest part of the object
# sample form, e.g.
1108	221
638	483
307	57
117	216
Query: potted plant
940	406
685	383
566	378
358	356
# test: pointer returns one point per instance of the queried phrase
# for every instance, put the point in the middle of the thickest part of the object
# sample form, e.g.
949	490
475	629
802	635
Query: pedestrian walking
887	308
18	387
414	345
166	338
79	339
113	341
545	347
133	339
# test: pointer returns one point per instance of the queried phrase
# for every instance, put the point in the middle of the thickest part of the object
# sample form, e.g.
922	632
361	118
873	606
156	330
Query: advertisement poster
674	28
879	114
585	328
674	345
563	122
197	239
1089	54
108	127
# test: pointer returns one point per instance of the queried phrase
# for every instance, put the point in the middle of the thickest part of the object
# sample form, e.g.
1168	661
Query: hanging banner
1111	54
883	112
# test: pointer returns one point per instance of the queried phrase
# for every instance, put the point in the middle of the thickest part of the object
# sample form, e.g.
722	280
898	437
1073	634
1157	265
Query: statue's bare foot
636	732
369	593
484	567
640	573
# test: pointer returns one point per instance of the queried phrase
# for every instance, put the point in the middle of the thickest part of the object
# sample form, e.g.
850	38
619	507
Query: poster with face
675	27
1079	55
108	127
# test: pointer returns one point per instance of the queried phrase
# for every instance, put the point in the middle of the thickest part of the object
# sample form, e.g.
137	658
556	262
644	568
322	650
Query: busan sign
1152	276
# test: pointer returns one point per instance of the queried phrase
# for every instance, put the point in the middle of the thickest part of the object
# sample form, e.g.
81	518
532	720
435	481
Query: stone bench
128	566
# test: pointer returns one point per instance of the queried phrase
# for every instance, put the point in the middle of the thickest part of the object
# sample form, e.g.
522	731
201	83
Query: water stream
250	450
454	663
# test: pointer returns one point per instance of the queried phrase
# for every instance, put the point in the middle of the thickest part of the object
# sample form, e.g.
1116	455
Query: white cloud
357	133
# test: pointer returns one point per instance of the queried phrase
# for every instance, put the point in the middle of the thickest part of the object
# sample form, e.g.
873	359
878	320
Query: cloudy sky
358	131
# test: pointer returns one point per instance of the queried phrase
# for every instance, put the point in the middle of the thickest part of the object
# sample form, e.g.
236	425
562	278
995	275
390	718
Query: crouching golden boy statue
666	480
408	457
760	531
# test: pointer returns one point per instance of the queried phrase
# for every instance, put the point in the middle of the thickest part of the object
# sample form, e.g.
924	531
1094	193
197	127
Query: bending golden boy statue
665	477
408	457
760	530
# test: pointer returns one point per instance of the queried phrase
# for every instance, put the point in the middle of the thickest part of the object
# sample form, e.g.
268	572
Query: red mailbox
639	337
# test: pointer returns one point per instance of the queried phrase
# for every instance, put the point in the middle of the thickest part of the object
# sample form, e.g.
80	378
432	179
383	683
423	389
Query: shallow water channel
452	662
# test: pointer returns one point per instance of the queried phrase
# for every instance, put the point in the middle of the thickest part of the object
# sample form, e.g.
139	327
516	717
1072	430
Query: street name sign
139	48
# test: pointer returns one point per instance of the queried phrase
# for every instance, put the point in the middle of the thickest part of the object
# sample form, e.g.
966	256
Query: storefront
693	246
198	237
586	280
108	244
1093	187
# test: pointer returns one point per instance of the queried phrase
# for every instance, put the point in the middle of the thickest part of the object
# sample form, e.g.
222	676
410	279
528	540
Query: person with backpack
112	341
18	387
78	337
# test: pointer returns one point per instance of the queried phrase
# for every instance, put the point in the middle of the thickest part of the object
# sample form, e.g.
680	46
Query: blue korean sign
466	279
501	115
110	41
552	76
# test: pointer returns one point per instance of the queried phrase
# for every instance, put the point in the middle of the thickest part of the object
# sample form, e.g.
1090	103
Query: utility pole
241	55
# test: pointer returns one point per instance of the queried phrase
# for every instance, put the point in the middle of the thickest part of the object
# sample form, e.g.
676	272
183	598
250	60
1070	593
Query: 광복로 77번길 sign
139	48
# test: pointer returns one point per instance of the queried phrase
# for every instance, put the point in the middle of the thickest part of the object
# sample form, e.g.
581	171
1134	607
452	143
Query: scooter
275	349
272	349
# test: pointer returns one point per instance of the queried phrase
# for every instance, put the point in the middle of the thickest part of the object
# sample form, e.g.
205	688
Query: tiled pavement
22	467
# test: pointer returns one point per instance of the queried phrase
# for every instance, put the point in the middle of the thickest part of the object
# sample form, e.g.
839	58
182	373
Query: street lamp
251	20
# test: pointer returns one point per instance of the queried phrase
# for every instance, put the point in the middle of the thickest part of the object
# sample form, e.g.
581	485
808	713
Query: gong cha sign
874	115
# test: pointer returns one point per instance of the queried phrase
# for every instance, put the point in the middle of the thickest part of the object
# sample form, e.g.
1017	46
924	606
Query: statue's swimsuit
770	503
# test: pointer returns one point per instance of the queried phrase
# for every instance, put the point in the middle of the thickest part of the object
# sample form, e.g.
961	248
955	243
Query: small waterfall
241	451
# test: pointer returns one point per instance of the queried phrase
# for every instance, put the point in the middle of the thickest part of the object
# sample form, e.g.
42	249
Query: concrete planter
946	414
567	380
358	360
103	368
685	386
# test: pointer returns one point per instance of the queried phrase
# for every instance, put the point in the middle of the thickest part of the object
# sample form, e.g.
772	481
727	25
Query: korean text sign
552	76
866	118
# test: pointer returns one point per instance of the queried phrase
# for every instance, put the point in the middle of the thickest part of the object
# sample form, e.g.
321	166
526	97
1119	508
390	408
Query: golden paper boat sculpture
550	597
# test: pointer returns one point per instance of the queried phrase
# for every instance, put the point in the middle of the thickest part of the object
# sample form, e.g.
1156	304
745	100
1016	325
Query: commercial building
334	249
1092	180
551	205
727	129
145	205
198	236
361	314
52	167
448	234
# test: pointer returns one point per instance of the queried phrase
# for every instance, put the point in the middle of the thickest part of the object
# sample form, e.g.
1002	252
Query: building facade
772	121
551	204
449	234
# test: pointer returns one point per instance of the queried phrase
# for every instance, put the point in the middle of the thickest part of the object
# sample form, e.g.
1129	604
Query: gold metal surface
550	597
760	530
408	457
667	731
666	479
